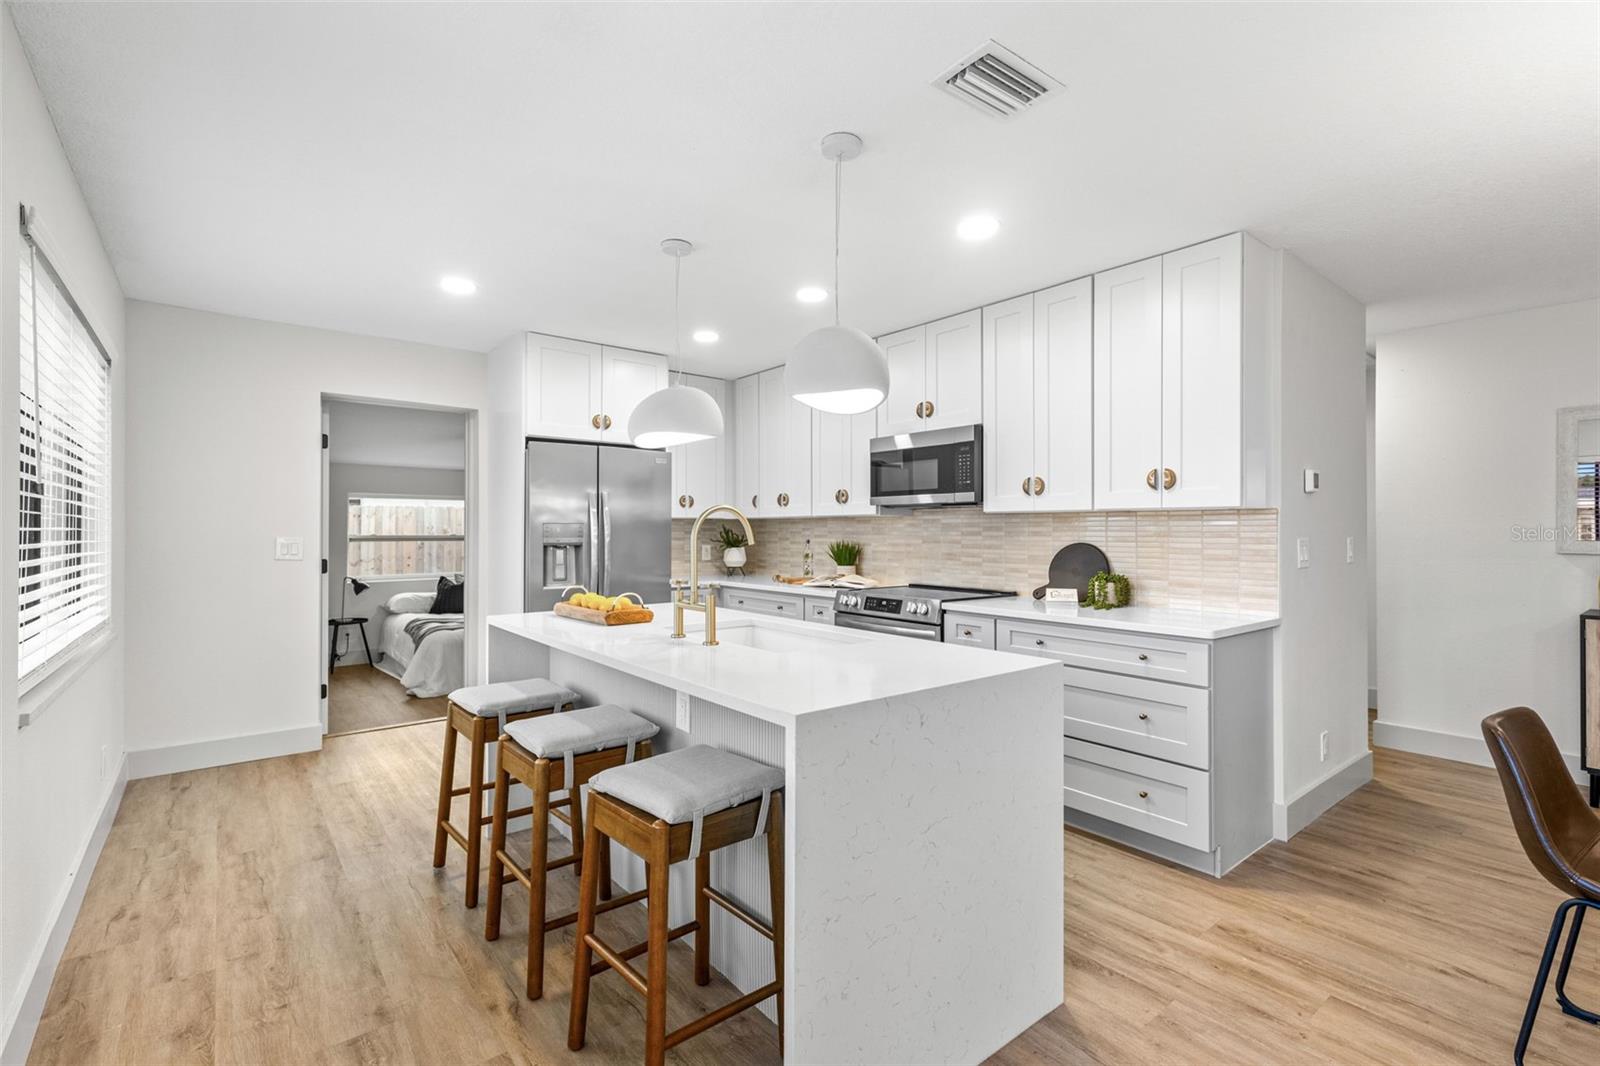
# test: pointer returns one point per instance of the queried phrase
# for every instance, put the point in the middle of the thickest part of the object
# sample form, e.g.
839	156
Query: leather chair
1560	833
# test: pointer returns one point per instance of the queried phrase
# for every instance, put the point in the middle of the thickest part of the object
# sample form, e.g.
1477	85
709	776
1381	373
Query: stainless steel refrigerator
598	515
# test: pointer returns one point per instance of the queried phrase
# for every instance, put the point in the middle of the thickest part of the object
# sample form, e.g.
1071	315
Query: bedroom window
393	536
64	491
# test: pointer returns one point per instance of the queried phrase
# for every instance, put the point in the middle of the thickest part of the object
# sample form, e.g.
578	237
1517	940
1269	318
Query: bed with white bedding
435	665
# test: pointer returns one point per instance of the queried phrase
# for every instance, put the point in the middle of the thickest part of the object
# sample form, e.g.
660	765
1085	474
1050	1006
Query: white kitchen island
923	829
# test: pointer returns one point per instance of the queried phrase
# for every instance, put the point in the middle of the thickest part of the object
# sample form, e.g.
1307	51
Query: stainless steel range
906	610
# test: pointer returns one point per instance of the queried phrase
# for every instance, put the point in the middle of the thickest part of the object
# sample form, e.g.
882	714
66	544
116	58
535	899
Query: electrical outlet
705	553
683	711
1349	549
1302	553
1322	746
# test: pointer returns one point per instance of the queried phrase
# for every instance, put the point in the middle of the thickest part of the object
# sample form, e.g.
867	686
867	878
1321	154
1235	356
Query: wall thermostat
1313	480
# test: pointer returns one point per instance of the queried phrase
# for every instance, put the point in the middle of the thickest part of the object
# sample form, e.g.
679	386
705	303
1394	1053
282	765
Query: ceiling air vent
997	81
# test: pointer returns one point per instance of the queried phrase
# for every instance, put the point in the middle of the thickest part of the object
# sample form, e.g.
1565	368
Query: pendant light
676	414
838	369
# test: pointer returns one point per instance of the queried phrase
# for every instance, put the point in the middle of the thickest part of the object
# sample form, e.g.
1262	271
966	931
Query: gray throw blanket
420	629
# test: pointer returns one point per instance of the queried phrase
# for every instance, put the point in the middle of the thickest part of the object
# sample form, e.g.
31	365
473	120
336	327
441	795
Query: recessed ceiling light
977	227
458	286
811	294
705	336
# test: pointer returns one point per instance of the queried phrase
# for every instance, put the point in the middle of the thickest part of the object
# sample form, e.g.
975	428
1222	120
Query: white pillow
410	603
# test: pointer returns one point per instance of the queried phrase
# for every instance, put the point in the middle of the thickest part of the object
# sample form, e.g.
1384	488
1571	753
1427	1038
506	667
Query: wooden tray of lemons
586	606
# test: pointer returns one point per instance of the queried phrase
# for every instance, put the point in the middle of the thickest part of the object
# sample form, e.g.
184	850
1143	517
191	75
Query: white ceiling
381	435
325	163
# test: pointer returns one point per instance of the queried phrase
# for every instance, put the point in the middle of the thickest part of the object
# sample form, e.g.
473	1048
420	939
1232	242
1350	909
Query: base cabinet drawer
1155	718
1187	662
778	606
1159	798
819	610
969	630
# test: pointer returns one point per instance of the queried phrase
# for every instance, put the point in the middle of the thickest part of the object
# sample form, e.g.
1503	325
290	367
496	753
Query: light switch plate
1349	549
1313	480
290	549
1302	553
705	553
683	711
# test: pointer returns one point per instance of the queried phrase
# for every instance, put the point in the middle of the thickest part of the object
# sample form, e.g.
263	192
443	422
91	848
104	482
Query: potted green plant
733	545
846	554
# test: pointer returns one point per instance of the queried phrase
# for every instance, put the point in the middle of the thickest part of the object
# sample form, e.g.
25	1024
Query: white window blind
64	535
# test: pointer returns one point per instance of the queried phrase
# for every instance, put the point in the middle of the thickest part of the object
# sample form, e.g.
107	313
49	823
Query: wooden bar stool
680	805
548	755
480	713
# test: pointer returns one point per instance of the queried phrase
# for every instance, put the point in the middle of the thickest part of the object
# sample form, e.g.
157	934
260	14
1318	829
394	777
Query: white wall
1322	642
229	454
350	479
1472	618
60	775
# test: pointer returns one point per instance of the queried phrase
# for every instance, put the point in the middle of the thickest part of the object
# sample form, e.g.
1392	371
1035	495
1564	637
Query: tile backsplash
1219	560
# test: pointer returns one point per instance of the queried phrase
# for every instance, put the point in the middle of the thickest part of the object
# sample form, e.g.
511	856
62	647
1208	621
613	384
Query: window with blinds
64	535
1589	499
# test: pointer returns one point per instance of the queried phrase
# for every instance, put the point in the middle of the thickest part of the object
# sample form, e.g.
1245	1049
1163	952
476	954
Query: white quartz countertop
1163	621
771	668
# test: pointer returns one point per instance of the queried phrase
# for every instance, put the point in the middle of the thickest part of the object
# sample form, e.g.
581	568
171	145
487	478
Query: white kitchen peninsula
924	858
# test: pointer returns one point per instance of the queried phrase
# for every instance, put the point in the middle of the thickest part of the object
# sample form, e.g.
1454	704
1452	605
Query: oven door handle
873	625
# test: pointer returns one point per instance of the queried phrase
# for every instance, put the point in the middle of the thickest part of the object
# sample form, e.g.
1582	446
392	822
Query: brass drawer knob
1169	477
1150	479
783	499
1027	486
691	501
752	501
842	496
919	408
595	421
1040	642
1144	717
606	419
1143	657
683	501
927	406
1143	794
1038	486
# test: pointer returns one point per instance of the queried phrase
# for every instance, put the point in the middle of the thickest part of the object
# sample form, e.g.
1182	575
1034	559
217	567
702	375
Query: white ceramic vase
732	557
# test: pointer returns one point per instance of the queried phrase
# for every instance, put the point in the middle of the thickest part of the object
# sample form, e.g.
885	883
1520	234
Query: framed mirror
1578	480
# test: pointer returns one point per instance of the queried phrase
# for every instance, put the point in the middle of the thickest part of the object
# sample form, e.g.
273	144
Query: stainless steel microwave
928	469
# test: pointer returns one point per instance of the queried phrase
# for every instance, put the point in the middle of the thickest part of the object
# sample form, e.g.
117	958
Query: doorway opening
395	490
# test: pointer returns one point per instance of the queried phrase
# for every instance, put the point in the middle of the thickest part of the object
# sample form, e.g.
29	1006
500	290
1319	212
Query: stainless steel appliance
906	610
931	468
598	515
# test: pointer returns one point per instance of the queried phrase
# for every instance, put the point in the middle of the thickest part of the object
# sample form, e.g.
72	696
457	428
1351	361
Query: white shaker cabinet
747	448
699	470
785	462
582	391
935	375
1038	409
1127	386
841	482
1201	369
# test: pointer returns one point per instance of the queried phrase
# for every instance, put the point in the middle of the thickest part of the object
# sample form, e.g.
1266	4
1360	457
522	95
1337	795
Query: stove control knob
923	609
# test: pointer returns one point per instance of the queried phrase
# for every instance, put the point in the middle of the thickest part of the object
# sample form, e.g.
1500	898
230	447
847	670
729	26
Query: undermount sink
776	640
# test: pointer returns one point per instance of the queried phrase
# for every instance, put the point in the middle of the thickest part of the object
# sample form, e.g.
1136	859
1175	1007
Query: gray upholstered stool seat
561	736
690	783
512	697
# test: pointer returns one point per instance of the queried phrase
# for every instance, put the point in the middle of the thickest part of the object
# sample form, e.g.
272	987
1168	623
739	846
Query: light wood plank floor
364	697
285	911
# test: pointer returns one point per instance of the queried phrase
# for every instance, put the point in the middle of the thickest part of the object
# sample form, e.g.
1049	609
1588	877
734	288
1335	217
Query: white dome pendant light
838	369
676	414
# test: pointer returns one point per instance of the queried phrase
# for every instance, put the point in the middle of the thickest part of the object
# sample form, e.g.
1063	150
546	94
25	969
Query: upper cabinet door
563	389
797	455
699	477
747	447
1063	391
629	377
955	372
908	381
840	463
1201	368
774	430
1013	408
1127	386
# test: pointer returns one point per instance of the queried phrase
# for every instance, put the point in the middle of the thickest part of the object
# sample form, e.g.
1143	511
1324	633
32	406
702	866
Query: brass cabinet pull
1143	657
927	408
595	421
691	501
752	501
783	499
1027	486
1169	477
919	408
1144	717
683	501
1038	486
1039	642
1150	479
1143	794
607	420
842	496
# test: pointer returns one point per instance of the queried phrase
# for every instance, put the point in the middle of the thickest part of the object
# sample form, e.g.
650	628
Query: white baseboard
16	1039
1313	801
1453	746
151	762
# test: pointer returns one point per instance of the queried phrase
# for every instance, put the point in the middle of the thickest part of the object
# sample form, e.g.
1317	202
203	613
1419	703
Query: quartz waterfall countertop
769	668
1163	621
